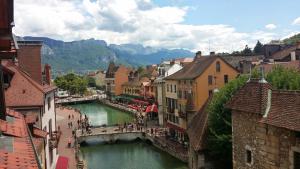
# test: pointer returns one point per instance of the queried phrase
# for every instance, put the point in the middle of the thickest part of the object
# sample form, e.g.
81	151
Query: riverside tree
73	83
219	123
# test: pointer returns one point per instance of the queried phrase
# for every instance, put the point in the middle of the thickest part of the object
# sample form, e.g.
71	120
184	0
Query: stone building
265	127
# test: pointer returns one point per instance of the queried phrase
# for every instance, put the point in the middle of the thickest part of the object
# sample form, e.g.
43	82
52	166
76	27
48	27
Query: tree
219	137
73	83
247	51
258	49
91	81
283	78
219	123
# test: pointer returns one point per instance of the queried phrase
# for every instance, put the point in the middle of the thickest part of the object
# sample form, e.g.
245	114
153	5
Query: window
167	88
49	102
185	94
171	88
210	80
177	120
249	158
179	94
296	160
174	88
225	79
191	82
218	66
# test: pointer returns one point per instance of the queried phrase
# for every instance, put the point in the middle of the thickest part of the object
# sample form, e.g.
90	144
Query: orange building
196	82
115	77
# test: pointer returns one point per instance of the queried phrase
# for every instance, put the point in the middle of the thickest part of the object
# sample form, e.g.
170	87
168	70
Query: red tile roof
23	90
16	150
196	68
276	107
285	52
31	118
197	128
292	64
285	110
250	98
39	133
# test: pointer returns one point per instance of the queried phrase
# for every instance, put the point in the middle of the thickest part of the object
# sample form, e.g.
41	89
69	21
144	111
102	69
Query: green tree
258	49
247	51
219	137
73	83
91	81
282	78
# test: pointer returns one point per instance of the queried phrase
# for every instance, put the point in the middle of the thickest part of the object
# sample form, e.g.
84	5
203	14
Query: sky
196	25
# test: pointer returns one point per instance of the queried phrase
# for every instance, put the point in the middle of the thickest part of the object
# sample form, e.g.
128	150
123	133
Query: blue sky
218	25
242	14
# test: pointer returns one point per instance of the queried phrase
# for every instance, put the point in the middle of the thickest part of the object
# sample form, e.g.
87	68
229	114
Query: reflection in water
134	155
100	114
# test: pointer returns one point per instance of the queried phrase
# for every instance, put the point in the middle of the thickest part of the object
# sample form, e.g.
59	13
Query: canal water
124	155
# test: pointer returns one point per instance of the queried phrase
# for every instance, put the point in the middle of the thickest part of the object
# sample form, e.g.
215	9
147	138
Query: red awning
152	108
62	162
175	127
140	101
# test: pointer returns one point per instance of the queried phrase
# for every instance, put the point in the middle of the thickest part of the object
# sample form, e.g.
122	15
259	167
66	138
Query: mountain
292	40
91	54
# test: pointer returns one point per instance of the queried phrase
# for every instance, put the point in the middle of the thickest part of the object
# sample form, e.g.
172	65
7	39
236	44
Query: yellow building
132	88
197	80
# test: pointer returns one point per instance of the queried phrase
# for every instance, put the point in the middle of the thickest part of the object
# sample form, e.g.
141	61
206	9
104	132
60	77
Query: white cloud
127	21
270	26
296	21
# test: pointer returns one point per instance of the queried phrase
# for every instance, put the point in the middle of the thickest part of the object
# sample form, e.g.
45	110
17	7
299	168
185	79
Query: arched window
218	66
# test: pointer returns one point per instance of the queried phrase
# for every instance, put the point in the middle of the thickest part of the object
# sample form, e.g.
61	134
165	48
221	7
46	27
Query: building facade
115	77
265	127
199	79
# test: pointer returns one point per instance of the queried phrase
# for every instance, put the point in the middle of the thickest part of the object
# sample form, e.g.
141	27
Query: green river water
131	155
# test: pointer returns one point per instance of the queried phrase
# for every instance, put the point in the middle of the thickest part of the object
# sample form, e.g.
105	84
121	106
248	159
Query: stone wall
271	147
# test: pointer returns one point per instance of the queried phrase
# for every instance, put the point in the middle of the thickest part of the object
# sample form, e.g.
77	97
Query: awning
175	127
140	101
62	162
152	108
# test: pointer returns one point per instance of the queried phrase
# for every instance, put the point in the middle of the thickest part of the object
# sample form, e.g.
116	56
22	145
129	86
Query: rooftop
280	108
194	69
23	90
16	149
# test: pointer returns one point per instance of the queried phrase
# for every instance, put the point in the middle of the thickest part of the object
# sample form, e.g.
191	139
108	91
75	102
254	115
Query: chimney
47	70
212	53
198	55
29	58
293	55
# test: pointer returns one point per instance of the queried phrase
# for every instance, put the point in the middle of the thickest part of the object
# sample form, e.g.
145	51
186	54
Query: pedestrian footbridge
108	135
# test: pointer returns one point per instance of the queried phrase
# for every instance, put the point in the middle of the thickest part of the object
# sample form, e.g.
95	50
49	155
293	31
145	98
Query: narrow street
62	122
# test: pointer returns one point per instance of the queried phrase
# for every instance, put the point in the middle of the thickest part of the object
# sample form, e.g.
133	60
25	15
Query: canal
124	155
